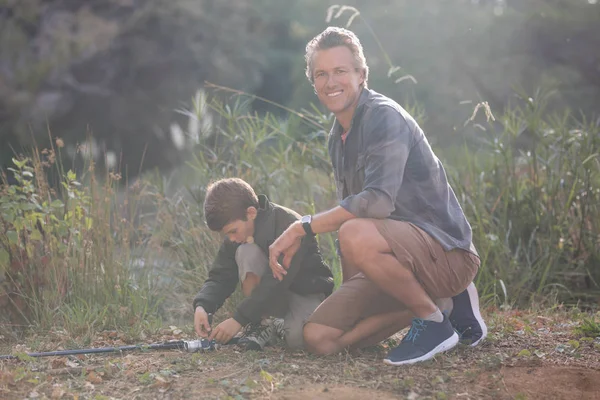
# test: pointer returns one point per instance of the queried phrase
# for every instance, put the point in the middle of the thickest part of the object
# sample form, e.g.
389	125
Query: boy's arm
270	289
221	282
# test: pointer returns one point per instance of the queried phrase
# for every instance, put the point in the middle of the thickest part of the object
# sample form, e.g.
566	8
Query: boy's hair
226	201
334	37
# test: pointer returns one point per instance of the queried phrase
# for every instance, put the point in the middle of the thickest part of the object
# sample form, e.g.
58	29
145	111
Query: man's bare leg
403	319
321	339
364	247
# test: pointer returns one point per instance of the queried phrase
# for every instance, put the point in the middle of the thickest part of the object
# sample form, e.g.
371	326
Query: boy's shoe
279	328
259	335
466	317
424	340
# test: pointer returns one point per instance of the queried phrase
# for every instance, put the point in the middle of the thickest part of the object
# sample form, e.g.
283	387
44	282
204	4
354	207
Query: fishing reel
193	346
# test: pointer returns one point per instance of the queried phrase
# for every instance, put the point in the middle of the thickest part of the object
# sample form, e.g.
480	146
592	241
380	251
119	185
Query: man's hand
287	244
201	323
225	331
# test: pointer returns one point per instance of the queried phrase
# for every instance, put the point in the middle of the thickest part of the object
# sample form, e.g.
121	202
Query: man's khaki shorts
442	274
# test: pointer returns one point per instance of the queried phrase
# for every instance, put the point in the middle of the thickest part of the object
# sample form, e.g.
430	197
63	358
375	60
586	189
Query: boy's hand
201	323
225	331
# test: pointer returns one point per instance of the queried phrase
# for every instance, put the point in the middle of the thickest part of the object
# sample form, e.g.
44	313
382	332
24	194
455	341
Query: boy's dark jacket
307	274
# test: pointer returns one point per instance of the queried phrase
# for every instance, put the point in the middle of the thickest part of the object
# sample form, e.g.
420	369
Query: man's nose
330	81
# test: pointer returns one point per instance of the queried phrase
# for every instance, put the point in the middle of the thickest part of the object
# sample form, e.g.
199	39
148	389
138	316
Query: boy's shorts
294	308
442	274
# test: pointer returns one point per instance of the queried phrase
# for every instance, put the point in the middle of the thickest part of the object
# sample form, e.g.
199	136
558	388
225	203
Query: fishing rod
190	346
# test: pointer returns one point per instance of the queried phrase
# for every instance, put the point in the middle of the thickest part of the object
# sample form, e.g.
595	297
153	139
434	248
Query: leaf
35	235
145	378
57	204
7	378
13	237
4	258
574	344
245	389
524	353
24	357
57	393
60	362
266	376
18	163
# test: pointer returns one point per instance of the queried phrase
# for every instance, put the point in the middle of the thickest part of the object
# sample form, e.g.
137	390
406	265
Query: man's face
239	230
337	81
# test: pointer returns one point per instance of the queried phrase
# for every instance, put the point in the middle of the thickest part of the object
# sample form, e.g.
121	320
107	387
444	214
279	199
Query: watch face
306	219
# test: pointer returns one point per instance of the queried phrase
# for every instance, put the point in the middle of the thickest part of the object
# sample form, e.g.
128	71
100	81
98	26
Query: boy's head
230	207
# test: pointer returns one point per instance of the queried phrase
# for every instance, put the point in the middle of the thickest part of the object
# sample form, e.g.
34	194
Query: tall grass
532	194
66	250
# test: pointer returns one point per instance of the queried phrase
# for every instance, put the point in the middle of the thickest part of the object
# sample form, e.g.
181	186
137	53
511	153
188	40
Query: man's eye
340	71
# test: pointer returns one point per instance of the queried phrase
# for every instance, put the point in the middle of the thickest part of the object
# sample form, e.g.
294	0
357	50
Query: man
404	240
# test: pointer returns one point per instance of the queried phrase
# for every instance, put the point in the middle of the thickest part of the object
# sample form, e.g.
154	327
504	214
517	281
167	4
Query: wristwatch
306	220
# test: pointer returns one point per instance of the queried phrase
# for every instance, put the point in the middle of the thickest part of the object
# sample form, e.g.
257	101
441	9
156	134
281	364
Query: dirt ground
527	356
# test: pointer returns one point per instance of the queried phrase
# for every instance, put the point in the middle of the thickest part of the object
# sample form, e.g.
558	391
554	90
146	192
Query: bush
534	204
65	252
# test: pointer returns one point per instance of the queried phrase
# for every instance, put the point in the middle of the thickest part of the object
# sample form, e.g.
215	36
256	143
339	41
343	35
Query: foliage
534	209
65	256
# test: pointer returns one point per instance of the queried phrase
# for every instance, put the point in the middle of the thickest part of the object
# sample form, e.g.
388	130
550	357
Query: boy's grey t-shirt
387	169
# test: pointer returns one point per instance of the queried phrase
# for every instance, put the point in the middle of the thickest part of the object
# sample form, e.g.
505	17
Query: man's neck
345	118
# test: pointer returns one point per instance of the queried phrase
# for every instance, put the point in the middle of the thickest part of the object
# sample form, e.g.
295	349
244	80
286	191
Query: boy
251	223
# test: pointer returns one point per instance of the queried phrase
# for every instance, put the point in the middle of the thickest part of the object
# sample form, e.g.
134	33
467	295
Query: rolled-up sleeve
388	137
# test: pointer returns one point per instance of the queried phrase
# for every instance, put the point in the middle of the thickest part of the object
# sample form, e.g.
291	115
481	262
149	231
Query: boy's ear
251	213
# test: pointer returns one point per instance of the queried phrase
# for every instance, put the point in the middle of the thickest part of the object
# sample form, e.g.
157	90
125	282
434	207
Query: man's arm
385	160
389	138
268	291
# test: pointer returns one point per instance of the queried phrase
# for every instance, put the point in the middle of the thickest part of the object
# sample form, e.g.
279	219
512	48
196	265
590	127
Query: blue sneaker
466	317
424	340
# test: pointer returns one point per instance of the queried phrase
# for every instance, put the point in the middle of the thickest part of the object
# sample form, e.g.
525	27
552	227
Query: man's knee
317	340
356	238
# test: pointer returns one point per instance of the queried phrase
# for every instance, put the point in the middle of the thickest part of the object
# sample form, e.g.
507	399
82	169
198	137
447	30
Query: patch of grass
588	328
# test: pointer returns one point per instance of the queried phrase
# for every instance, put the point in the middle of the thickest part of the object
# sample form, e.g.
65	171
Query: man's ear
251	213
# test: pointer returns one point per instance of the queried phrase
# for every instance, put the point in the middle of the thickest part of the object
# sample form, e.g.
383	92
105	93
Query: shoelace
418	326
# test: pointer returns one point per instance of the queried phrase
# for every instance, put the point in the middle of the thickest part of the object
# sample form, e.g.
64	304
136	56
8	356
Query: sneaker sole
474	299
446	345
